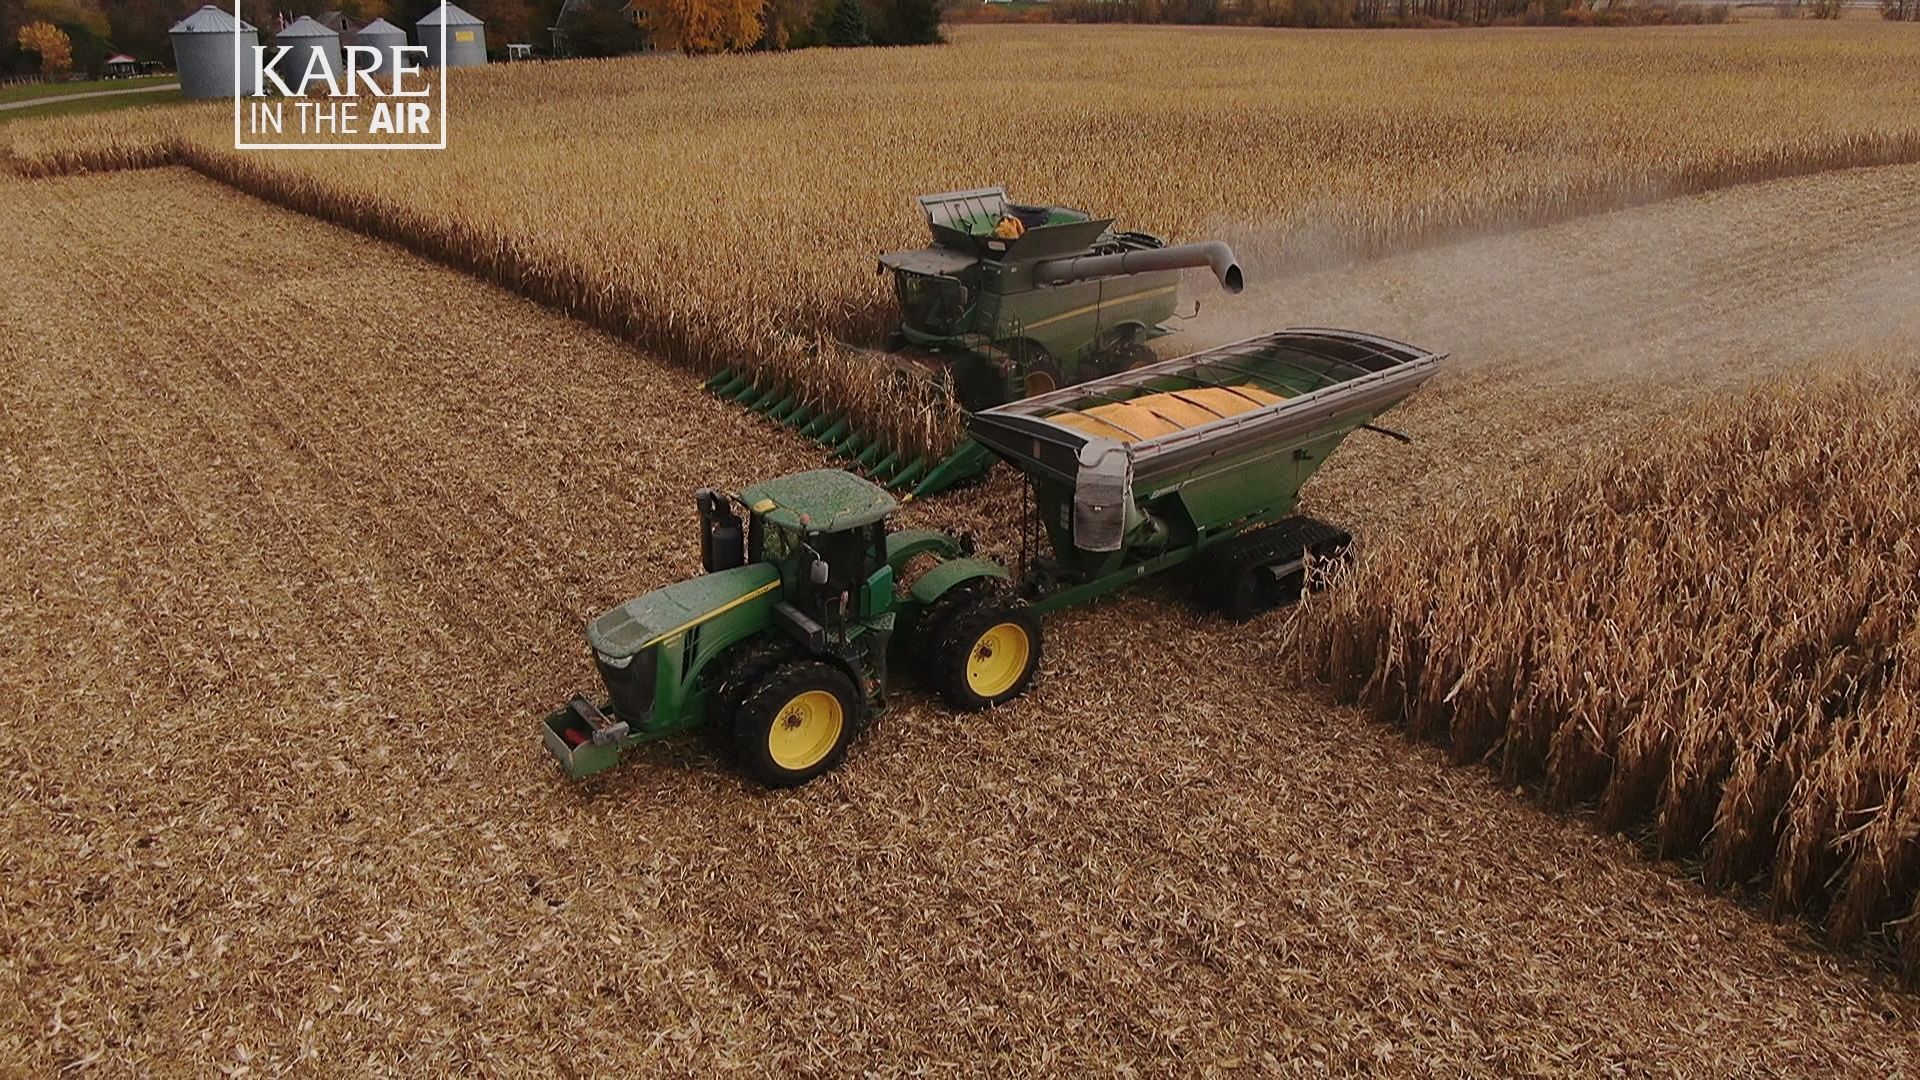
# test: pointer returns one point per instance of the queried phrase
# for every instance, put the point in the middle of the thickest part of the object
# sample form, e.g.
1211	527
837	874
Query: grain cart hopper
783	645
1135	473
1007	302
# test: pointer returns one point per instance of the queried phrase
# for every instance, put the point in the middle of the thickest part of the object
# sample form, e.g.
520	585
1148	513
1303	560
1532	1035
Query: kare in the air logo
309	90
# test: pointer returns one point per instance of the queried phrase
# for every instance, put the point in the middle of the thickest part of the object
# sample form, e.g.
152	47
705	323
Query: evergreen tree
849	25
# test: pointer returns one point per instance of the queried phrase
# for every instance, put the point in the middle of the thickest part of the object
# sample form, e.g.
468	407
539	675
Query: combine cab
1008	302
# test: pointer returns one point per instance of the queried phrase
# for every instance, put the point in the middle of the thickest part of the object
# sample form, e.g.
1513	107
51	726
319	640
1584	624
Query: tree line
93	30
1392	13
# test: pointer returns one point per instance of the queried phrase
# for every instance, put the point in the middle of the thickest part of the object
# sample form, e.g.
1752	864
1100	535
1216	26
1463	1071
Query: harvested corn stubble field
1714	638
724	211
303	546
287	594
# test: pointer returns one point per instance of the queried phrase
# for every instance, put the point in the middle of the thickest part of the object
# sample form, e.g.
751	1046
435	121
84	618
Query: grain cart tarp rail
1300	381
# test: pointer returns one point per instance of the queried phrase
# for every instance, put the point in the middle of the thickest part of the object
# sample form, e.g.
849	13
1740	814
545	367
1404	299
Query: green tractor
783	645
785	639
1009	301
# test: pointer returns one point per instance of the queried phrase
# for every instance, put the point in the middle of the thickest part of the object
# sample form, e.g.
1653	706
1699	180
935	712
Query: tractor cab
826	533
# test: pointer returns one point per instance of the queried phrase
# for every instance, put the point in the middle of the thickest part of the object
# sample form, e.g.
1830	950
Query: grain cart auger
783	645
1008	301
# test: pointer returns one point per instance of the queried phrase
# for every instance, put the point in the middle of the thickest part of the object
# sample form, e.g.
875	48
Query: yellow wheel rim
1039	382
806	730
998	659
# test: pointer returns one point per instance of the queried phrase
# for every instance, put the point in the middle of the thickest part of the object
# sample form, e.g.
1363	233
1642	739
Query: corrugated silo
305	40
388	38
466	37
203	45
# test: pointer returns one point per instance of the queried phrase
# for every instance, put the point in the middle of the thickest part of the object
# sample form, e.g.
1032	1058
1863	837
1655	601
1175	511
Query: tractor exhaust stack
1215	255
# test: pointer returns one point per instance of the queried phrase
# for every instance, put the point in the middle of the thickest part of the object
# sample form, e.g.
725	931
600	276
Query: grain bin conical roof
209	20
379	30
304	27
451	14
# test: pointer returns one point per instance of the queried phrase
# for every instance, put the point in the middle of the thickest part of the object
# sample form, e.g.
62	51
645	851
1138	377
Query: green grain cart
1008	301
784	645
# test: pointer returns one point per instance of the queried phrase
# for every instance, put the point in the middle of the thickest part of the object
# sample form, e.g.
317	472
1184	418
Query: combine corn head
1008	302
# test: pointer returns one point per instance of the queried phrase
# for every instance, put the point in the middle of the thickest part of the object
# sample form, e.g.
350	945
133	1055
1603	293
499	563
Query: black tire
771	739
1033	369
1236	595
925	646
1042	377
1135	357
963	657
1251	591
738	675
1125	350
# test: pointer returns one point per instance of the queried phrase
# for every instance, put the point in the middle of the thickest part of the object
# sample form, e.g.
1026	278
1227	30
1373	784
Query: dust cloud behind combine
1572	333
1781	269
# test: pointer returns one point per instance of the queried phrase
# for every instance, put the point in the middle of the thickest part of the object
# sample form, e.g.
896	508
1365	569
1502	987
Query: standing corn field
724	212
1714	638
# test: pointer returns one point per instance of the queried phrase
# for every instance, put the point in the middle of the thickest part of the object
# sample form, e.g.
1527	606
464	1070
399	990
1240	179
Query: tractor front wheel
797	723
987	652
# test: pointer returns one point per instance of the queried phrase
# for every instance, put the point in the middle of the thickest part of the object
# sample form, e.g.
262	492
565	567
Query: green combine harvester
1008	302
784	647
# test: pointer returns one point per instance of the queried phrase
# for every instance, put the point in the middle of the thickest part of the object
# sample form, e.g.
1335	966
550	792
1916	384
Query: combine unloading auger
1008	302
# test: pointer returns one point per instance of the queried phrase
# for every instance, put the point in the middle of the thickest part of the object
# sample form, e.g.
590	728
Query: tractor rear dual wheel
987	651
797	723
933	624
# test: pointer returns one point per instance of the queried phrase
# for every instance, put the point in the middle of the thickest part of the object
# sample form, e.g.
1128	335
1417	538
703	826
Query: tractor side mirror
817	571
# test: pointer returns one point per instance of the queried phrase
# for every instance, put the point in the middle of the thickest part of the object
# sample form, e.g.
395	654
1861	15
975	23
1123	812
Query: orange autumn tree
701	26
51	43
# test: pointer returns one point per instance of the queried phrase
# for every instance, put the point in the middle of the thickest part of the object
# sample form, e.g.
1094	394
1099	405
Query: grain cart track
294	564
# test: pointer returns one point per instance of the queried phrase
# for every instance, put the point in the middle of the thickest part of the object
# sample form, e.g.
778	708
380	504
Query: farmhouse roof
121	58
208	20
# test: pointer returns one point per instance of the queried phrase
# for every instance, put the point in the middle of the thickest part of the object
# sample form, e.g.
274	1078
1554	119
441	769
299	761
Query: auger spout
1215	255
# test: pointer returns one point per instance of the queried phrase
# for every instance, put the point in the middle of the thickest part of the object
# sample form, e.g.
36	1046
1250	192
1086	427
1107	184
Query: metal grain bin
466	37
304	40
384	36
203	54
